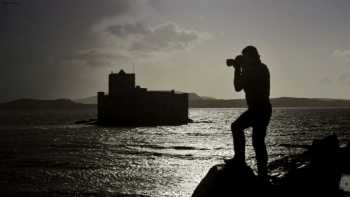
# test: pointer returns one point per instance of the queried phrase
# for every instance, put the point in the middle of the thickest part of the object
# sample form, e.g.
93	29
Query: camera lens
230	62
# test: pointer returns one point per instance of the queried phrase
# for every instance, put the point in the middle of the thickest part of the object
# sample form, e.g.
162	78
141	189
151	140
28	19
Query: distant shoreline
194	102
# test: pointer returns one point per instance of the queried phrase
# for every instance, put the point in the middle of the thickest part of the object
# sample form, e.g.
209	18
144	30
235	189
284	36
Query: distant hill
276	102
196	97
87	100
196	101
309	102
43	104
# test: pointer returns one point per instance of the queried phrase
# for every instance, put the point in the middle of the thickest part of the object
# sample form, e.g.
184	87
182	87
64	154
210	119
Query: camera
235	62
230	62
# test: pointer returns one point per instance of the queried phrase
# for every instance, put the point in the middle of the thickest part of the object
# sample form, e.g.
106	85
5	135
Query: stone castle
130	105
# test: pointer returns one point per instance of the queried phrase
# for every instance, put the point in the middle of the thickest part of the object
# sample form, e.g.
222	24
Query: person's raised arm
238	81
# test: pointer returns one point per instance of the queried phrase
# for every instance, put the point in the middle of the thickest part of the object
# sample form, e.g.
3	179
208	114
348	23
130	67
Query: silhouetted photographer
252	76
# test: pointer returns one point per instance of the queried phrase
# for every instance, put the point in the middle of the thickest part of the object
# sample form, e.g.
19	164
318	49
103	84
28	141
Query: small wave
203	121
179	156
199	134
173	147
67	165
69	193
187	148
171	155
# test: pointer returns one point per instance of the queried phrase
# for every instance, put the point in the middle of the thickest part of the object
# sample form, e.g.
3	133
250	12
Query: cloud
133	42
341	53
46	45
98	57
344	78
38	29
39	39
165	37
128	29
326	81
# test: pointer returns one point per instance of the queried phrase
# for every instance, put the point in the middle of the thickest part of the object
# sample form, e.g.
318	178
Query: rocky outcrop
224	180
318	174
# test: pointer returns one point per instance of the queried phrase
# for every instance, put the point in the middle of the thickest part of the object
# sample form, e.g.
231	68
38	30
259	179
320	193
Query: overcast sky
65	49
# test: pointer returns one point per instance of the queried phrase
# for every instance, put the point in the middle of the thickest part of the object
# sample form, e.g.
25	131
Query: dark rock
229	180
321	177
323	166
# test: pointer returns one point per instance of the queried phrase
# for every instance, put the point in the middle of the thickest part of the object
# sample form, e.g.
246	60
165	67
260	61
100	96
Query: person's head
251	54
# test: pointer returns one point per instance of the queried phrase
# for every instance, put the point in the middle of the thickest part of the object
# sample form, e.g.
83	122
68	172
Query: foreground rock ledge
318	174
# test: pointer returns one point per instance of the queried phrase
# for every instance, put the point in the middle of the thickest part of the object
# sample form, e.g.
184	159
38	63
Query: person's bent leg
260	150
238	142
237	128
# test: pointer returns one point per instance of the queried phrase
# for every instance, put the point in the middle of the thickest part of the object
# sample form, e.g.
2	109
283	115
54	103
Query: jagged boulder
228	180
319	175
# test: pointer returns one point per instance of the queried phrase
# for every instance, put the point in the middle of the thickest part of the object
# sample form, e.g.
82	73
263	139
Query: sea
44	153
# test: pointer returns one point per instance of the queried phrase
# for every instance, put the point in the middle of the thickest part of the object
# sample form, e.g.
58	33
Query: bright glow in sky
66	48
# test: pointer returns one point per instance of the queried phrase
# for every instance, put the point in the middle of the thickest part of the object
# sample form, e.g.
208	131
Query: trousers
258	118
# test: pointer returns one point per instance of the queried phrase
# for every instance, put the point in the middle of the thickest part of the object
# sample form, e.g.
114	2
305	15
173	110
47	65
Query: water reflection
57	156
345	183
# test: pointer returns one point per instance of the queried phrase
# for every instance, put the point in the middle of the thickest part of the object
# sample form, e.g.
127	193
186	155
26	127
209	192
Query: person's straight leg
259	146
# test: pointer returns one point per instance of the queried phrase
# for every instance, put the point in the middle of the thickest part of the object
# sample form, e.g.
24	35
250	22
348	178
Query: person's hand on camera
238	61
230	62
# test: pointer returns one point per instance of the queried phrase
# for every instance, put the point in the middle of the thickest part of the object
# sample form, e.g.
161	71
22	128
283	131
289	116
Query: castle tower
121	82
